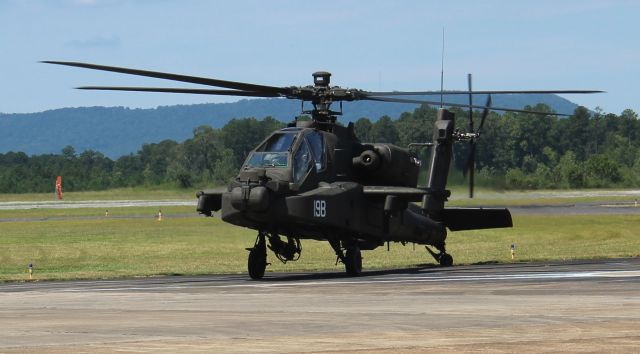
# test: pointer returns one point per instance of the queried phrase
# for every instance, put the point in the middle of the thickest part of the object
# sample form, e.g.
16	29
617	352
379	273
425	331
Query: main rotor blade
485	92
450	104
181	90
176	77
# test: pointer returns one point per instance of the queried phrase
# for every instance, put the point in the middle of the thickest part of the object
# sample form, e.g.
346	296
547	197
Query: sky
370	45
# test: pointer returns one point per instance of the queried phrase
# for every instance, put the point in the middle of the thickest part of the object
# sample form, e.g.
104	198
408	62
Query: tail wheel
446	260
257	262
353	261
443	257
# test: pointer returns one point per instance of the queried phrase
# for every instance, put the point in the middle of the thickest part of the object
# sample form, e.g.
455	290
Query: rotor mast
322	98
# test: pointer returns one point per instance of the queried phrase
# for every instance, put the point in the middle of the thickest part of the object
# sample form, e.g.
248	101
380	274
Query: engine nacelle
386	165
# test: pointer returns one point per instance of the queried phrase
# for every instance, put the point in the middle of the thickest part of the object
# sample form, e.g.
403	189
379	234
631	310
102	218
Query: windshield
316	142
273	153
301	162
279	142
267	159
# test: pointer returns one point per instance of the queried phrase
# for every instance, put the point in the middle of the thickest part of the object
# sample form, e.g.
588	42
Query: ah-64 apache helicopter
315	180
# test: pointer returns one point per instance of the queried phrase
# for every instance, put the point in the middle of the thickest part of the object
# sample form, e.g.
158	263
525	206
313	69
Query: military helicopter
316	180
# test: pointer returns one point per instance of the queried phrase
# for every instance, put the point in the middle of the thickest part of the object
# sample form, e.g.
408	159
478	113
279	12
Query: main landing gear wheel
257	262
353	261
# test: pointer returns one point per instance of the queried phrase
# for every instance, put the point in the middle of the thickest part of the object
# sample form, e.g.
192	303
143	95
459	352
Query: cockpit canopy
273	153
291	148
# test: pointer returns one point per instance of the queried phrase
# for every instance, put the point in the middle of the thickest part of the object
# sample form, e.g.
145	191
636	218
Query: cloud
95	42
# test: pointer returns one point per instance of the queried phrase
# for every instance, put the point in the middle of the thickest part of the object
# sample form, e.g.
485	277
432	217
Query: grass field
110	247
111	194
44	214
458	196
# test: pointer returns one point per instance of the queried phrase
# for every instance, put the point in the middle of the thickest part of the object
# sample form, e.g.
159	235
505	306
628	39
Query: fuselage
305	182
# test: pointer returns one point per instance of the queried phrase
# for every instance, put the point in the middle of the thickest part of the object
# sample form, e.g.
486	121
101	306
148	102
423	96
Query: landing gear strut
353	261
443	258
349	254
258	257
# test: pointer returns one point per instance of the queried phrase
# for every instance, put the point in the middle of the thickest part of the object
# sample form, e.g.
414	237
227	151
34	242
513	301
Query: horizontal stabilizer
457	219
405	193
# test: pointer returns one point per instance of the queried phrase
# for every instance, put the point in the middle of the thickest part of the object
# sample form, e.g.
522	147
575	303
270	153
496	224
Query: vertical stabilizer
440	162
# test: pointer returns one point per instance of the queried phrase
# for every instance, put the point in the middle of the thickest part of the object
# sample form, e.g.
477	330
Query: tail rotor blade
470	104
471	157
470	166
472	172
485	112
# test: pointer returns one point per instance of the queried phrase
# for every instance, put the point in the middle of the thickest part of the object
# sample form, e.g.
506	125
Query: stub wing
210	200
458	219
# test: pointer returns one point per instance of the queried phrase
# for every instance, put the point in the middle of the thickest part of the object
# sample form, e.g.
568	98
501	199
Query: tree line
514	151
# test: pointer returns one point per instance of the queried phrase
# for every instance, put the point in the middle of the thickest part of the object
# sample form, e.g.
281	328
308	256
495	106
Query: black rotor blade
176	77
470	166
472	169
485	92
485	112
402	100
470	103
182	90
470	159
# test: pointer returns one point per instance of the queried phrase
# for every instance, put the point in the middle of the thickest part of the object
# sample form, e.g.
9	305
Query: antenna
442	73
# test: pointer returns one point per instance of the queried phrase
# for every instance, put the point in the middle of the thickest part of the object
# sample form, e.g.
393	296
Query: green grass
112	247
44	213
548	237
483	196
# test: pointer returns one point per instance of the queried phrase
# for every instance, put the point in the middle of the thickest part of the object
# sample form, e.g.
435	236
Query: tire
353	261
257	262
446	260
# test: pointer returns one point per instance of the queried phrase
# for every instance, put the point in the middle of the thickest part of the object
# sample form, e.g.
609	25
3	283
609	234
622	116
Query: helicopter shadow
425	268
418	269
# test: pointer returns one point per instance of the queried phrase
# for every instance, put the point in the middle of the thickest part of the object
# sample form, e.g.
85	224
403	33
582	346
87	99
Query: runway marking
384	280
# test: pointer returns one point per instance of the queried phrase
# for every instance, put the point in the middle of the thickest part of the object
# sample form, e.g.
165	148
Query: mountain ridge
117	131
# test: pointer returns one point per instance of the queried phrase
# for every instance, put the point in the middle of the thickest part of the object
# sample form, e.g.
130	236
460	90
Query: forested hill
515	151
117	131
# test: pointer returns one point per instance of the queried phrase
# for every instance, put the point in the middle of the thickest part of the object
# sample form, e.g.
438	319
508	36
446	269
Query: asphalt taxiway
572	306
